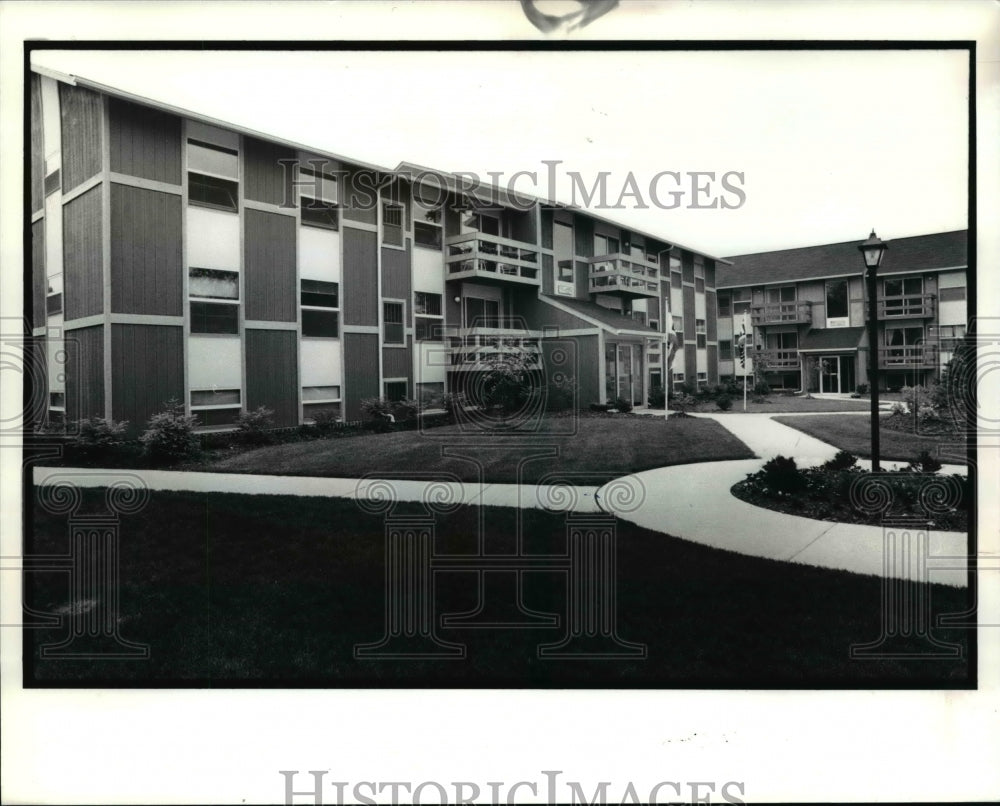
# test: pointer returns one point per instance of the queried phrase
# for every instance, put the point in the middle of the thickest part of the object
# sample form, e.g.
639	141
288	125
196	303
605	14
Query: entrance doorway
836	374
624	373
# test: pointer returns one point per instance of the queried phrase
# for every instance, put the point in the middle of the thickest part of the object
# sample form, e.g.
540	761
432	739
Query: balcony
479	256
778	359
910	306
910	356
782	313
473	349
623	276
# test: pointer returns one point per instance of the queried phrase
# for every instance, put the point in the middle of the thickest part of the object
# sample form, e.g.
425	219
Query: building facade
806	313
176	257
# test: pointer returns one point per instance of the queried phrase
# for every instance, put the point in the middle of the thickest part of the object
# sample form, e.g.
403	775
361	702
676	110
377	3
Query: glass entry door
836	374
625	373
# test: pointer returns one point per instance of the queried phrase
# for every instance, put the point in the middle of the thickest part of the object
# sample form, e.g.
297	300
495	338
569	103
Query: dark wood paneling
144	142
37	144
360	371
360	273
359	194
583	229
146	260
711	316
37	379
580	361
396	276
85	373
82	149
710	273
690	362
397	362
688	312
38	284
687	267
272	373
547	228
713	363
265	178
147	370
269	262
83	256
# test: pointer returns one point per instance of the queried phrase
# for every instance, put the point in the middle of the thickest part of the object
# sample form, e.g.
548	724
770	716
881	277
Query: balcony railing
475	348
785	313
476	254
910	356
906	306
779	359
621	274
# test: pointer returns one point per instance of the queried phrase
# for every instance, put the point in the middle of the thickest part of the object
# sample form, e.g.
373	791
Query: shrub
325	420
561	394
376	408
405	409
724	402
252	427
732	387
623	405
781	474
170	436
682	404
842	460
898	409
925	463
657	398
454	402
862	389
761	388
757	398
96	435
688	388
599	407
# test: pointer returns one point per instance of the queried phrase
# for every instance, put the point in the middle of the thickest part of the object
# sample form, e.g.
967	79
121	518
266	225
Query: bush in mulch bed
836	491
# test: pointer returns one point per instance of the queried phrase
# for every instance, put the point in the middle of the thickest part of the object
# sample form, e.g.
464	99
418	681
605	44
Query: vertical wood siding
361	378
82	149
711	316
269	264
689	312
582	363
147	369
583	228
690	362
360	274
547	228
710	273
396	275
146	264
397	362
37	410
37	146
144	142
85	372
713	363
687	267
38	284
272	373
83	256
358	198
265	178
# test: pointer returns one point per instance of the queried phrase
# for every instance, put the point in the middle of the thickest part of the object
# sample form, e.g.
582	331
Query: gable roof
917	253
605	317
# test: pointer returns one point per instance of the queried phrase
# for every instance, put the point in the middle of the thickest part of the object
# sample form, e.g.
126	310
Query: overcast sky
829	143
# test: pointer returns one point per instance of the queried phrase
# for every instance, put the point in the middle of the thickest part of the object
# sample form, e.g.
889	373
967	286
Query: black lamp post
873	250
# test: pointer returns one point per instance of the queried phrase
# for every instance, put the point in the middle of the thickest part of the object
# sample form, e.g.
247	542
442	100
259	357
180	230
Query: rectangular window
392	323
213	283
725	350
836	301
310	411
426	304
209	191
215	397
725	305
654	323
741	301
605	245
213	160
428	235
430	395
782	341
897	287
699	284
319	214
392	223
951	336
952	294
429	322
320	294
57	400
678	324
314	394
215	317
781	294
565	274
323	324
429	329
317	184
675	279
395	390
53	304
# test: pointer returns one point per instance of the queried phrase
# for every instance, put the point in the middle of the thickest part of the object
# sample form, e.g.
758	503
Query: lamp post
873	250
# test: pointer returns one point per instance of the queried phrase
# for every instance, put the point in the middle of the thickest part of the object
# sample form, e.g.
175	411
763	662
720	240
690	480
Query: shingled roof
917	253
605	316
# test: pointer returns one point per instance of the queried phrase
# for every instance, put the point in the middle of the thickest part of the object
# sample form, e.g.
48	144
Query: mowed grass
602	448
230	590
777	404
853	433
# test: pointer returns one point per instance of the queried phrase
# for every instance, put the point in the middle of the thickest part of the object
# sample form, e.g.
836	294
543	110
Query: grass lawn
603	447
853	433
270	590
775	404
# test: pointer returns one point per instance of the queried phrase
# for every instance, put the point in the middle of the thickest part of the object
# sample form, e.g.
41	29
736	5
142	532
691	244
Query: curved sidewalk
693	502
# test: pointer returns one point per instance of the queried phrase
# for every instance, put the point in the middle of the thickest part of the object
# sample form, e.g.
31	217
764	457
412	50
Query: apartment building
177	257
806	312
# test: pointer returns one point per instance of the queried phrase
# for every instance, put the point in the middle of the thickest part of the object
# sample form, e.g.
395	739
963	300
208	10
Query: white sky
831	143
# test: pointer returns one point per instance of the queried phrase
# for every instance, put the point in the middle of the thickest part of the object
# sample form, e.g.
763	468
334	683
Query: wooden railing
774	313
475	254
908	356
906	306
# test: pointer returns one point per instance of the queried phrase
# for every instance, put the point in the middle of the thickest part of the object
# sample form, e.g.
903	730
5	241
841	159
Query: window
899	287
699	331
836	303
395	391
214	317
429	322
318	394
482	312
320	303
606	245
675	278
320	214
725	350
427	215
904	336
213	283
53	304
951	336
678	379
702	380
952	294
639	316
654	323
428	235
725	305
392	223
426	304
783	341
214	397
565	274
208	191
741	301
212	160
57	400
781	294
430	395
392	323
324	185
699	274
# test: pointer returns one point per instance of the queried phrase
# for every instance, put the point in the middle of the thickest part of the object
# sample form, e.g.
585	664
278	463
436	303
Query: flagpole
743	348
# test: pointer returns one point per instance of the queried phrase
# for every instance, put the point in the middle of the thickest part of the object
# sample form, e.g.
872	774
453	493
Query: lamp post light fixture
873	251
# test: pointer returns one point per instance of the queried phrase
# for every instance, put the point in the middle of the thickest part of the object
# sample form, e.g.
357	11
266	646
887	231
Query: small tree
507	384
170	435
253	426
